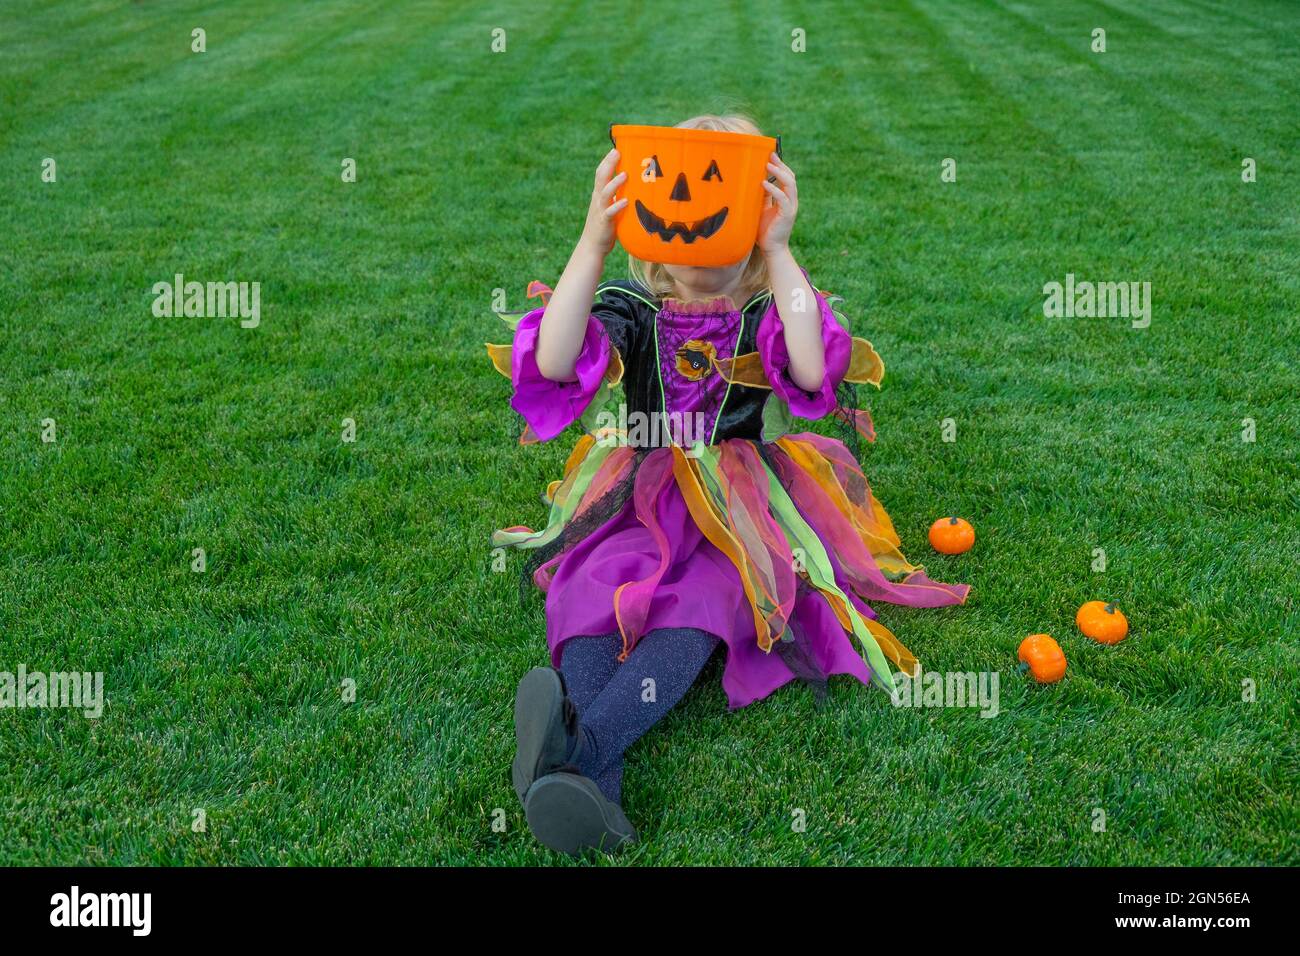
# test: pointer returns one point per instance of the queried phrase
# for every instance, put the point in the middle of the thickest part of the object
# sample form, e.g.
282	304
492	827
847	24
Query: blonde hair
653	275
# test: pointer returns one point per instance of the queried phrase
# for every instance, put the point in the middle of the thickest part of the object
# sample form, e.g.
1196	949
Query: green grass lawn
370	561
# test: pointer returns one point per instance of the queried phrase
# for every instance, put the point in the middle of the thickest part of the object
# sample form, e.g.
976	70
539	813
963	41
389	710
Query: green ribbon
799	534
820	571
560	515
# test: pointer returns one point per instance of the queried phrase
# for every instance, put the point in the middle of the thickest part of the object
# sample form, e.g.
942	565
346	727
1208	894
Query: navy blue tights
617	703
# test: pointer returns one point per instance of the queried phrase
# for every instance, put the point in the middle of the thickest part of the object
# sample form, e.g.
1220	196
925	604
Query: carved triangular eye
650	169
712	171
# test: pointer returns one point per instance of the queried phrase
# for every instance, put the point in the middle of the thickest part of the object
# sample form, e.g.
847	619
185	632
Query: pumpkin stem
952	520
1110	608
1024	666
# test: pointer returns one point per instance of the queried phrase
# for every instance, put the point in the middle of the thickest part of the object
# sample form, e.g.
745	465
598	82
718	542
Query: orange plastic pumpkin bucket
695	196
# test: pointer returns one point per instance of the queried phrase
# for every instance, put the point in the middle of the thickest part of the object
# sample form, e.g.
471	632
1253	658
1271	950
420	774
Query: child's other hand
598	233
778	218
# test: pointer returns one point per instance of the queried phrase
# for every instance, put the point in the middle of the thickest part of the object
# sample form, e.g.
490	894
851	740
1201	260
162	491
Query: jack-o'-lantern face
695	197
683	221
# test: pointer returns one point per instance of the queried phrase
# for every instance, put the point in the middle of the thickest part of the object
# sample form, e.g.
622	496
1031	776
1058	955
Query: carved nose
681	191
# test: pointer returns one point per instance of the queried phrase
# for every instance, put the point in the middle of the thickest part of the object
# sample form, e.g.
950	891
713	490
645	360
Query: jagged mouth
667	231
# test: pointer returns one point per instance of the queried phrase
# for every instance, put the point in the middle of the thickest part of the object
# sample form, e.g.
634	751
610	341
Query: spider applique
695	359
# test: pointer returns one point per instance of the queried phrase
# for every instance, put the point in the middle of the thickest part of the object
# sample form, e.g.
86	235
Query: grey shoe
567	812
546	728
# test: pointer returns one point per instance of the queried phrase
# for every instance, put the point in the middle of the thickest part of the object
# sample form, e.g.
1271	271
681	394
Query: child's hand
598	233
778	218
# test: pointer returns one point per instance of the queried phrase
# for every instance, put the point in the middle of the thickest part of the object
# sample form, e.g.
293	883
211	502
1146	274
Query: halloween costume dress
689	501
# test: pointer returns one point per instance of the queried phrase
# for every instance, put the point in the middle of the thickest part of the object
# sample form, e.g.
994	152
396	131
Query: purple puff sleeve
550	407
776	361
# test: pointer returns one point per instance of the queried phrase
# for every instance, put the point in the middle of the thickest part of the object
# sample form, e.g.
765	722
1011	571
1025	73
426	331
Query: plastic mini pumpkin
694	196
1042	657
952	536
1103	622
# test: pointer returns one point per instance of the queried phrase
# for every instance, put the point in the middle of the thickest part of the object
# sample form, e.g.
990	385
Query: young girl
743	534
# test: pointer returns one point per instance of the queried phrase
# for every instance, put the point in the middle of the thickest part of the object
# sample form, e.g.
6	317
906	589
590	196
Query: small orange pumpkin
952	536
1103	622
1042	657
